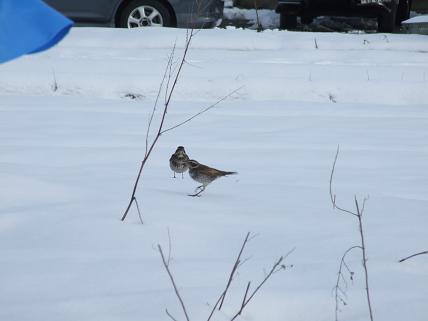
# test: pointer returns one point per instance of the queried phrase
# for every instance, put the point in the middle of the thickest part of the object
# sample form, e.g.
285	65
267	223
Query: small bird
178	161
204	175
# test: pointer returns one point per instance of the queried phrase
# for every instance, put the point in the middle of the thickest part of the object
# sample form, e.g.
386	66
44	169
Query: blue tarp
29	26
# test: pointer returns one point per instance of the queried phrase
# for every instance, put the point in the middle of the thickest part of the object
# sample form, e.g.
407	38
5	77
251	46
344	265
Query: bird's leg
201	189
174	174
182	175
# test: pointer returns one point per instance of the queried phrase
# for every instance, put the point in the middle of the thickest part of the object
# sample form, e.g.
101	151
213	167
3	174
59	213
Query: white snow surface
69	159
417	19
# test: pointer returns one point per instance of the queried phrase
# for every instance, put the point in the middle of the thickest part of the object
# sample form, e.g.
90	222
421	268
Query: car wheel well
124	3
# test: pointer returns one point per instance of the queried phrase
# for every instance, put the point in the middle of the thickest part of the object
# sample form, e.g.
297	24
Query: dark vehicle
389	13
142	13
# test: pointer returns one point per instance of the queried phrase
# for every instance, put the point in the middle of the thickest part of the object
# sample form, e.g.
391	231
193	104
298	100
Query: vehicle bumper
353	8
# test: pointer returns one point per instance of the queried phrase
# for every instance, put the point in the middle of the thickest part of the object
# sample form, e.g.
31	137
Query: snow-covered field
69	157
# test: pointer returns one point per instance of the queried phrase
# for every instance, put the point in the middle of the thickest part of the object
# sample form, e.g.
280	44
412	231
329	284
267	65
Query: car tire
386	21
145	13
403	12
287	21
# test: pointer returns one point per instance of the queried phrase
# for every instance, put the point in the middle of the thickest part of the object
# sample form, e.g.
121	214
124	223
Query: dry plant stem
170	90
338	289
363	248
202	111
247	296
165	264
275	268
168	66
235	267
138	210
359	214
159	132
237	263
169	314
413	255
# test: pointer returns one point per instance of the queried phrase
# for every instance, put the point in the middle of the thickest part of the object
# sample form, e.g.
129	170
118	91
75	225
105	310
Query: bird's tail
228	173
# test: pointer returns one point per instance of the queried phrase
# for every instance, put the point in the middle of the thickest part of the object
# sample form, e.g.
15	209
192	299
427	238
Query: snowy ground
69	158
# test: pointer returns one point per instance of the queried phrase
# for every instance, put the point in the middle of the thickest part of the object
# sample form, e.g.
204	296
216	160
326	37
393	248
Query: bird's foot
200	188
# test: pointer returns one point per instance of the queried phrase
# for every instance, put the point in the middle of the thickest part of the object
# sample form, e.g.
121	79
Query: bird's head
180	149
192	163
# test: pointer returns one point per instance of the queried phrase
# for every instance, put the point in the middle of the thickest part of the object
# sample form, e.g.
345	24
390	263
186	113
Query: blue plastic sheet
29	26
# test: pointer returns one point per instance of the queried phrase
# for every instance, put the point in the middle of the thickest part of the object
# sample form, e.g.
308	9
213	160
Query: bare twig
165	109
169	314
54	85
359	215
332	195
237	263
363	248
138	210
169	63
248	296
235	267
168	95
337	288
276	267
165	264
413	255
202	111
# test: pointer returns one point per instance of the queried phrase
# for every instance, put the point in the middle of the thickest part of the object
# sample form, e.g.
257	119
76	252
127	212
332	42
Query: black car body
389	13
141	13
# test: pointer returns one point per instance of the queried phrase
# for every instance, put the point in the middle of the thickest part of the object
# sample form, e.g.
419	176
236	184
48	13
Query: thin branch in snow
275	268
54	85
166	266
248	295
341	283
234	269
202	111
359	215
413	255
169	80
138	210
169	314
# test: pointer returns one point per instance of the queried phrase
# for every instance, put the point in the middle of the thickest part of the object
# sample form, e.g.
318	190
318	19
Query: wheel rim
145	16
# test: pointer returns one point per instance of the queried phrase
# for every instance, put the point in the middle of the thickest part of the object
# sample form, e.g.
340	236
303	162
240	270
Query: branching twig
248	296
235	267
169	63
202	111
168	95
359	214
276	267
165	264
413	255
169	314
237	263
138	210
333	196
337	288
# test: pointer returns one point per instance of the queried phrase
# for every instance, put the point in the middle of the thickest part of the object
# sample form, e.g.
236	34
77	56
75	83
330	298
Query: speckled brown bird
178	161
204	175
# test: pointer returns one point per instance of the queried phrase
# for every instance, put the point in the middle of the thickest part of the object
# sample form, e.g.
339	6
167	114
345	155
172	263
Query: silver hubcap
145	16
